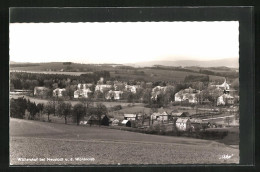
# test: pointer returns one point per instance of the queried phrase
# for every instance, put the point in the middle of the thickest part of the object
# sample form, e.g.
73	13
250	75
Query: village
191	110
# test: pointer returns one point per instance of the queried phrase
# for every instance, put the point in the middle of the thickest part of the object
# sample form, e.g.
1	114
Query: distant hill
228	62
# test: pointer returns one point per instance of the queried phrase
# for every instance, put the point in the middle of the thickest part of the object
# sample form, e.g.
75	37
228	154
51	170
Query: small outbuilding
126	123
105	120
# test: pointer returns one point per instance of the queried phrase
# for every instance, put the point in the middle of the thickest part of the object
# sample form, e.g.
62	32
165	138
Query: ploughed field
42	143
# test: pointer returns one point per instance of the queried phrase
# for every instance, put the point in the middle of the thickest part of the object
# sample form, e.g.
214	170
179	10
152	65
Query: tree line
25	80
57	107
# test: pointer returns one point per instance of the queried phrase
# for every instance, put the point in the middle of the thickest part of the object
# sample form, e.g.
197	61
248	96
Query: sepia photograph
124	93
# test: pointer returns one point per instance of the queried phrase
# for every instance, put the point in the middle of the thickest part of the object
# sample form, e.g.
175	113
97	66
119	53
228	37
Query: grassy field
162	75
98	145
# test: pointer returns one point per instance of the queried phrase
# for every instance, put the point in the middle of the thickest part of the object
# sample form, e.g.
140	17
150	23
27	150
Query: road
42	143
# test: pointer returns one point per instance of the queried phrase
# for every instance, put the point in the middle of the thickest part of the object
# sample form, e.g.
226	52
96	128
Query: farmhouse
58	92
113	95
225	99
130	116
188	94
183	124
40	91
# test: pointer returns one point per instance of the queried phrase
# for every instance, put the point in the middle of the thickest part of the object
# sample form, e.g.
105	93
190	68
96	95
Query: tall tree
78	112
49	109
64	110
18	107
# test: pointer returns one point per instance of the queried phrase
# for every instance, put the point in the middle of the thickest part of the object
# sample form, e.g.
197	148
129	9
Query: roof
182	120
130	115
40	88
176	113
195	120
156	114
124	121
164	114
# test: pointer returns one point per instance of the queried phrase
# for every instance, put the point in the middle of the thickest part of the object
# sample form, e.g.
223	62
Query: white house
188	94
102	87
82	93
84	86
39	91
132	88
183	124
225	99
157	91
113	95
58	92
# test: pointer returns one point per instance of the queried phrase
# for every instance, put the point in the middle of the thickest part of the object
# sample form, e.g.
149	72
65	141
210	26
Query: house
58	92
101	88
94	120
130	116
82	93
188	95
157	91
84	86
183	124
126	123
113	95
225	99
160	116
132	88
155	116
40	91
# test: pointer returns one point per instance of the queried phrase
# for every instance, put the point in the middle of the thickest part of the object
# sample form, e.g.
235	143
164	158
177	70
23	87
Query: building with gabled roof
183	124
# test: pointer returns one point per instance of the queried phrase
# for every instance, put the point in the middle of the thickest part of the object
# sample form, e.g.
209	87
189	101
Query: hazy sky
119	42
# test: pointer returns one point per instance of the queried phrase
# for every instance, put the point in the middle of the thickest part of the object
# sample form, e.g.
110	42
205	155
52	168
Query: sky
123	42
